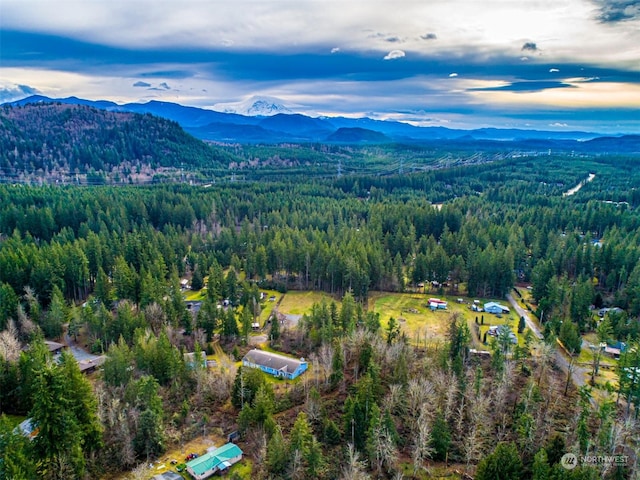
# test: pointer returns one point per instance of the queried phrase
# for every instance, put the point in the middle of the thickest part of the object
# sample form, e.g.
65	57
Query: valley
383	278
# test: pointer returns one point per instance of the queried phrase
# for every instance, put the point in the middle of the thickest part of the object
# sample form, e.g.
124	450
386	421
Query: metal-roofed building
494	307
214	462
275	364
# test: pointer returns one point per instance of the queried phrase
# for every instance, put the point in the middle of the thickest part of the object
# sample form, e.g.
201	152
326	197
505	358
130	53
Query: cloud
335	49
429	36
141	84
613	11
528	86
10	93
452	75
393	39
558	124
394	54
553	70
529	47
165	86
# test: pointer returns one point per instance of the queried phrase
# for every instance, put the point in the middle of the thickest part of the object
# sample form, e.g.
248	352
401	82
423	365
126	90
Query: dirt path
527	319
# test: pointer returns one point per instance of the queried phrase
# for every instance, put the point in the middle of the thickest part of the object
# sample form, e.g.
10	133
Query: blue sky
561	65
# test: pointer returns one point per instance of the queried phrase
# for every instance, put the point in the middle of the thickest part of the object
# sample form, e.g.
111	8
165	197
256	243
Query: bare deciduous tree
421	442
9	343
394	399
155	317
354	468
325	358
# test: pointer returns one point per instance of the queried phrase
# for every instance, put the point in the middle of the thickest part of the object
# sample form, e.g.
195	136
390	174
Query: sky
551	65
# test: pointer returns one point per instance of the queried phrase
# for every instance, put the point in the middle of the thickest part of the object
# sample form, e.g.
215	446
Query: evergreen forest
104	265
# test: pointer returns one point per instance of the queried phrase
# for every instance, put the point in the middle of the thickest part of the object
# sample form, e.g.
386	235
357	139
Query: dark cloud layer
21	49
530	86
612	11
417	81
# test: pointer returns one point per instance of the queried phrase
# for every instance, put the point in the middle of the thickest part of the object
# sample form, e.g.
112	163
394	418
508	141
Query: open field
412	312
420	323
300	302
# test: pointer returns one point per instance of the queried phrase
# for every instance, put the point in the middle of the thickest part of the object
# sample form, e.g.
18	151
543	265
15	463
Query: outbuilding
54	347
275	364
494	307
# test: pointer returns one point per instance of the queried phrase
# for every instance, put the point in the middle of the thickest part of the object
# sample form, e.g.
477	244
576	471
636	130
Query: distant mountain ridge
60	140
281	127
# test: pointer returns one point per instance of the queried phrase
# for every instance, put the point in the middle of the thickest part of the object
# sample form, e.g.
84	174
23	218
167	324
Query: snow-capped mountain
254	106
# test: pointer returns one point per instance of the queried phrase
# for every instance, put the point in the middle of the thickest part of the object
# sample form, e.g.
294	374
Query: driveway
523	313
578	373
81	355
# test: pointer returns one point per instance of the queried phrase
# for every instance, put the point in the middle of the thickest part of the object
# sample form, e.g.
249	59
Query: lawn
267	305
300	302
242	469
512	319
418	321
412	312
195	295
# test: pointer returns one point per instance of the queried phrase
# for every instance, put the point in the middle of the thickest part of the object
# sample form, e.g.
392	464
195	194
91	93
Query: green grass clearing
300	302
242	469
195	295
267	306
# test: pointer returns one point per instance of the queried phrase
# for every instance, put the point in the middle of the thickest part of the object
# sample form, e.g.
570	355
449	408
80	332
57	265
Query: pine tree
541	469
440	437
59	438
502	464
277	453
274	332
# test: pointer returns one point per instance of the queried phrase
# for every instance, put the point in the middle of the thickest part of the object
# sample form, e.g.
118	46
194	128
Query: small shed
615	349
275	364
88	366
54	347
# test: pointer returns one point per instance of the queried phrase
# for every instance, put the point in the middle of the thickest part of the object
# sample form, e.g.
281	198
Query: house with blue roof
215	461
494	307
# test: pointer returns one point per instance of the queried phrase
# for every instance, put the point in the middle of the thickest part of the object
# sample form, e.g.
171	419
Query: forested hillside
105	265
79	144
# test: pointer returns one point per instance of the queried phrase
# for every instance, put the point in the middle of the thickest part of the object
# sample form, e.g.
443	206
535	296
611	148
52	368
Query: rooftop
213	459
273	360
